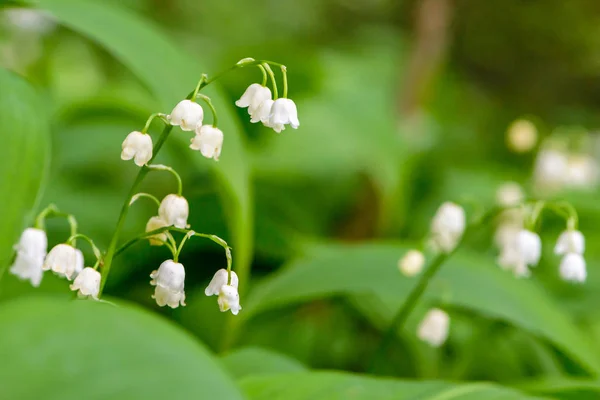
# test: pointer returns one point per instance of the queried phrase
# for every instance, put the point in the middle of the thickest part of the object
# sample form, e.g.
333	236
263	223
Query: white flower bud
87	283
529	247
412	263
174	210
283	112
169	280
263	112
229	299
434	327
521	136
447	227
509	194
137	145
570	241
64	260
187	115
31	251
153	224
253	97
219	280
209	140
572	268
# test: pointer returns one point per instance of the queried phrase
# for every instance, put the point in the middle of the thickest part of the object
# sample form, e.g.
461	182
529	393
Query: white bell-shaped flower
447	227
570	241
582	172
509	194
434	327
209	141
550	171
529	247
412	263
137	145
187	115
174	210
253	97
153	224
511	259
219	280
64	260
169	280
87	283
572	268
263	112
283	112
31	251
229	299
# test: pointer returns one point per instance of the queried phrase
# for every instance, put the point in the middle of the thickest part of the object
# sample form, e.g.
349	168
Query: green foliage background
320	215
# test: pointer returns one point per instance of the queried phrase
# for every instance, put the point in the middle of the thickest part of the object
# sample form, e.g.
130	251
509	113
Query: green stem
185	238
95	249
151	118
264	74
146	195
161	167
273	81
285	81
208	101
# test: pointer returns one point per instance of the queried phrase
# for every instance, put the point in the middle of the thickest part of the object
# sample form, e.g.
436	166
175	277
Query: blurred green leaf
24	158
256	360
344	386
564	388
467	281
85	349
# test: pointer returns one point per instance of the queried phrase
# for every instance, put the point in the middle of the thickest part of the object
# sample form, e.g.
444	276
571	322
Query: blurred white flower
550	170
137	145
412	263
87	283
570	241
219	280
283	112
434	327
174	210
31	251
447	227
153	224
253	97
187	115
30	20
64	260
509	194
209	140
529	246
582	172
521	252
169	280
263	112
572	268
229	299
521	136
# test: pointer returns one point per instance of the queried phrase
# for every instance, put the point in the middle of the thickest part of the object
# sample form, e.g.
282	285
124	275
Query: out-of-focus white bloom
209	140
529	246
582	172
169	280
31	20
412	263
506	234
229	299
253	97
87	283
572	268
510	259
187	115
550	171
434	327
570	241
219	280
447	227
174	210
263	112
31	251
523	251
283	112
509	194
137	145
64	260
153	224
521	136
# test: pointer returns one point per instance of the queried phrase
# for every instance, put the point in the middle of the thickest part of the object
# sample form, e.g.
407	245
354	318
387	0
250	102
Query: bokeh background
403	105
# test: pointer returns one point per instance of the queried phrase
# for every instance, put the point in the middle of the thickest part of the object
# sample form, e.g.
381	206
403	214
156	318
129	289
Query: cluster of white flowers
556	170
272	113
571	245
447	227
226	287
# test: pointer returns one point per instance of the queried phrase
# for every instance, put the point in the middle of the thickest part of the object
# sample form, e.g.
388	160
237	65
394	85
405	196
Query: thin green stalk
208	101
161	167
264	74
273	81
162	116
285	81
146	195
95	249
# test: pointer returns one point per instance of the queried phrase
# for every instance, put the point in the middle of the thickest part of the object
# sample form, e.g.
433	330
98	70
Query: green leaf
24	158
256	360
468	281
345	386
564	388
85	349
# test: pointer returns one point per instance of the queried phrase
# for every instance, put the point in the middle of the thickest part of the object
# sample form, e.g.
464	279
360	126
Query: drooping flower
412	263
263	112
153	224
447	227
169	280
582	172
174	210
283	112
524	252
522	136
64	260
509	194
229	299
209	140
31	251
253	97
572	268
137	145
219	280
550	171
87	283
434	327
570	241
187	115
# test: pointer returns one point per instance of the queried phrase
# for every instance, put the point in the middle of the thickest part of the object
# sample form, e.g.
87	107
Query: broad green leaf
256	360
564	388
345	386
24	158
90	350
468	281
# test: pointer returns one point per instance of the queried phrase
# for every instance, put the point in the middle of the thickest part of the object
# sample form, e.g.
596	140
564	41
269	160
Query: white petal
174	210
570	241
